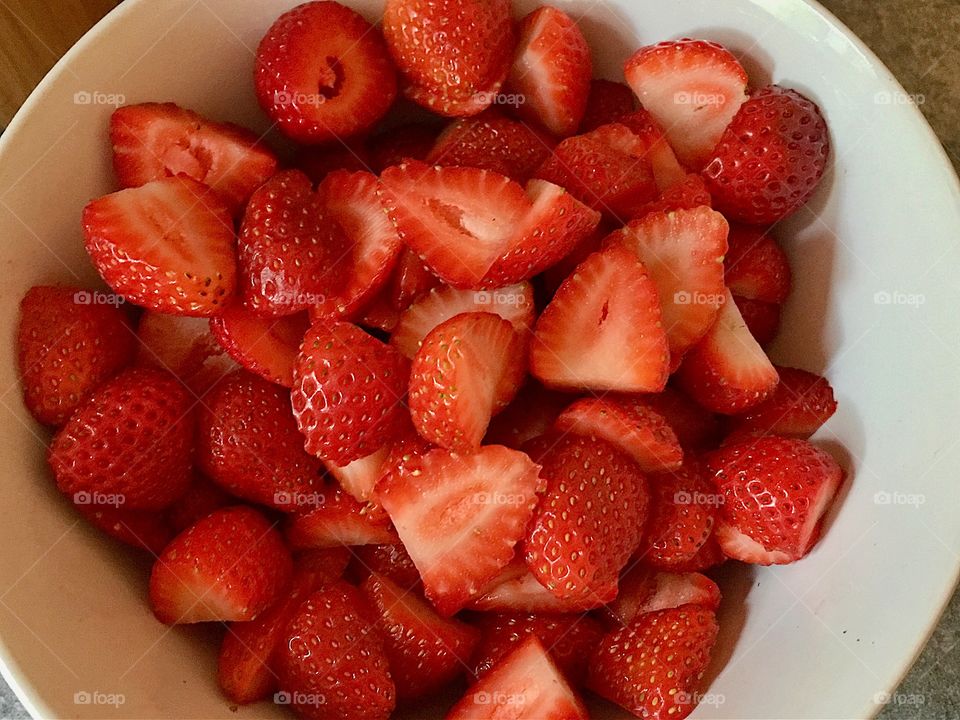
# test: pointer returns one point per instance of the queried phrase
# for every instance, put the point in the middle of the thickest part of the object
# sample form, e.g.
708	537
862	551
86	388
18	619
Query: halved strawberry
776	492
515	589
524	684
185	346
532	413
152	141
755	266
693	88
762	318
231	565
689	193
411	280
643	590
201	498
633	427
800	404
411	141
166	245
426	652
667	170
607	102
460	517
695	427
683	252
388	561
323	72
360	477
145	529
551	71
602	329
336	520
265	346
727	371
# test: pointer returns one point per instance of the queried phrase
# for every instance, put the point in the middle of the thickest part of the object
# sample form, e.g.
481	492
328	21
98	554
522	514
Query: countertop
918	39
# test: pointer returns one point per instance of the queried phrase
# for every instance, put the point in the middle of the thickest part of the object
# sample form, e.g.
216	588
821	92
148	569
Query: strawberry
380	314
132	439
652	667
602	329
525	684
708	556
569	639
322	567
762	319
153	141
590	520
514	303
776	492
347	392
322	72
331	660
265	346
386	561
338	520
799	405
552	278
654	144
144	529
755	267
231	565
694	427
166	245
185	346
460	517
532	412
689	193
727	371
551	71
683	251
412	141
66	347
248	443
643	590
348	155
453	54
290	252
516	589
693	88
360	477
607	102
426	652
411	280
200	499
769	161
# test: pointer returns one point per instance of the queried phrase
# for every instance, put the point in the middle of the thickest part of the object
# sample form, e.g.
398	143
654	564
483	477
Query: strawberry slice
411	280
607	102
693	88
755	266
683	251
166	245
762	318
231	565
410	141
185	346
667	170
776	492
551	71
689	193
153	141
360	477
643	590
426	652
727	372
524	684
653	666
265	346
386	561
144	529
801	403
338	520
694	427
602	329
460	517
642	433
516	589
532	413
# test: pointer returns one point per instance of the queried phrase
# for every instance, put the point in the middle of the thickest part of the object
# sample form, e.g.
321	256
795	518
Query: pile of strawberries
433	404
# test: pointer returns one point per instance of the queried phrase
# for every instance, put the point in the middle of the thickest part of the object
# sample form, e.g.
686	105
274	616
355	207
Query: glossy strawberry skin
801	403
755	266
265	346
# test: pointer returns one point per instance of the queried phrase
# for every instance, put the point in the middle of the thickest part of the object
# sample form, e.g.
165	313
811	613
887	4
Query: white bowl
876	308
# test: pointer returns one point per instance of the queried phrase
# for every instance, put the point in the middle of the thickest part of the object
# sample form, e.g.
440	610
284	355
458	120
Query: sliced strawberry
643	590
552	278
689	193
66	347
667	170
200	499
338	520
762	319
653	666
602	329
642	433
693	88
411	280
532	413
516	589
727	372
166	245
380	314
607	103
460	517
695	427
387	561
153	141
404	455
185	346
144	529
683	251
776	492
426	652
230	565
265	346
551	71
360	477
322	567
524	684
412	141
755	267
707	557
350	155
801	403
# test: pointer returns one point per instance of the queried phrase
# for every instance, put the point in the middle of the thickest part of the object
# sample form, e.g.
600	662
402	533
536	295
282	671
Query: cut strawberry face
331	518
516	589
602	330
756	267
265	346
693	88
167	245
185	346
460	517
360	477
643	590
607	103
667	170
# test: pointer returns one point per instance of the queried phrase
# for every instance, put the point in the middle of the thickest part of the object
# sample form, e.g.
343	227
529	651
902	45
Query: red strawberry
515	589
551	71
144	529
131	439
569	639
453	54
349	155
426	652
331	661
248	443
695	427
552	278
693	88
762	319
776	492
687	194
607	103
683	251
652	667
231	565
799	405
387	561
411	280
166	245
755	267
360	477
412	141
643	590
380	314
667	170
708	556
200	499
770	159
322	72
460	517
153	141
404	454
66	347
524	684
728	372
338	520
532	412
590	520
347	392
185	346
265	346
602	329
